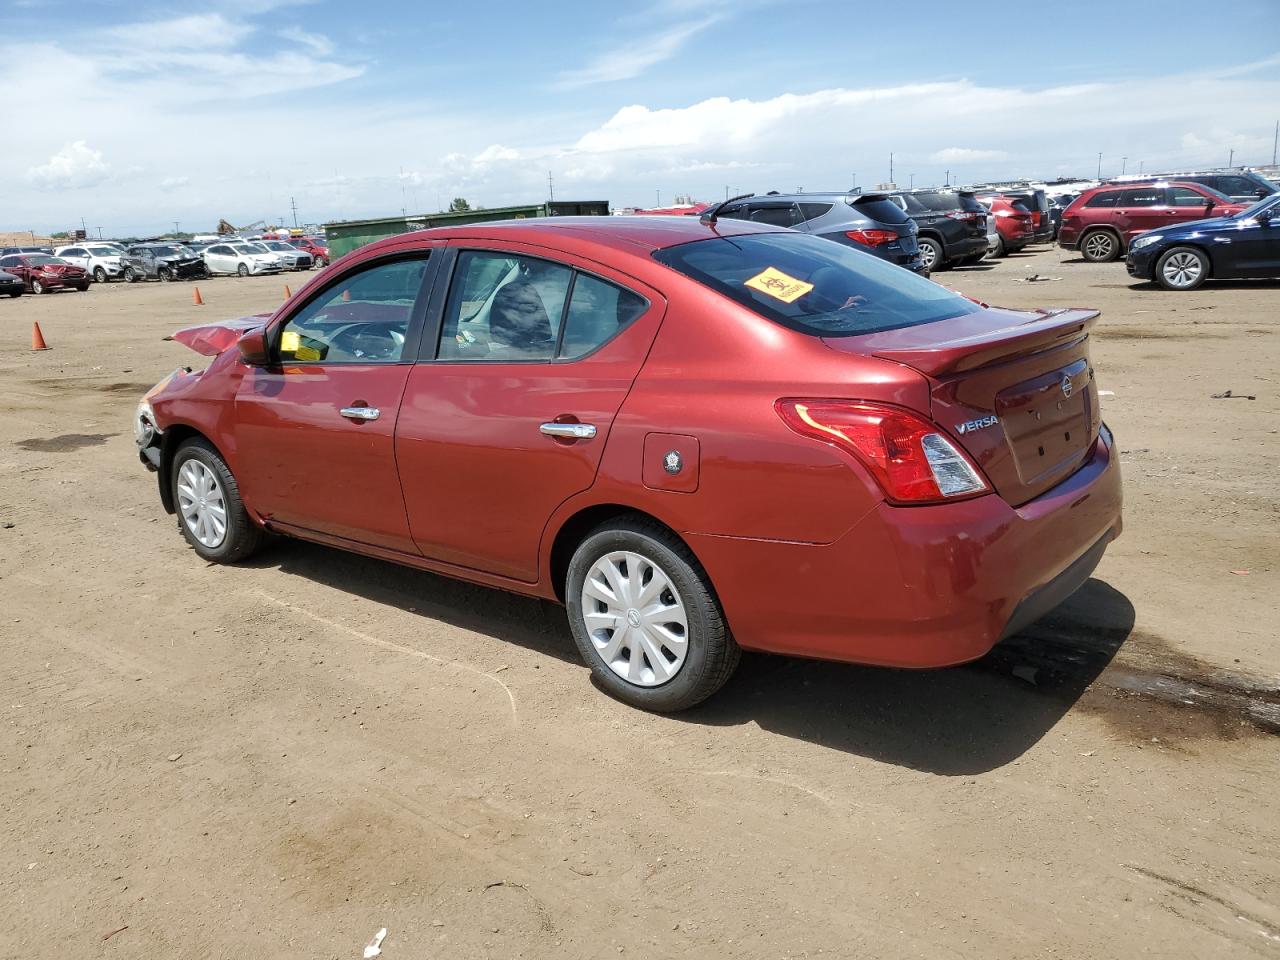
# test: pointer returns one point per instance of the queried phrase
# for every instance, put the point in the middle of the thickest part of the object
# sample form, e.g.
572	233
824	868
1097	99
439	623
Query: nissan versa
701	436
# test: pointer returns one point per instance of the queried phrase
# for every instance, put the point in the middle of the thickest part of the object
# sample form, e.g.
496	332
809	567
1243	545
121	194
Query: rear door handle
361	413
571	431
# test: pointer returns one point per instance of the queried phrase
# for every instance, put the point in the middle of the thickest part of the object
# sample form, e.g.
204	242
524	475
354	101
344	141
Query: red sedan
42	273
700	436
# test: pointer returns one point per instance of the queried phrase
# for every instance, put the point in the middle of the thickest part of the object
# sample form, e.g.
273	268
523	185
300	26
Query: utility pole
99	229
1099	166
293	205
175	228
726	191
1141	165
1275	143
913	182
1124	162
551	189
891	167
948	178
657	199
1231	158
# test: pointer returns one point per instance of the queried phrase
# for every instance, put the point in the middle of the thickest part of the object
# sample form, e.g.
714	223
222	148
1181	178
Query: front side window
362	318
814	286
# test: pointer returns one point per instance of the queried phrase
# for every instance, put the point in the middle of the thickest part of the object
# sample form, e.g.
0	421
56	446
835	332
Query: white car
100	261
290	256
993	235
240	258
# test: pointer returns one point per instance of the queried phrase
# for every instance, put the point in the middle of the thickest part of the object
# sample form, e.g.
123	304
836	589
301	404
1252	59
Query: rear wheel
1182	268
645	619
99	275
211	515
931	254
1100	246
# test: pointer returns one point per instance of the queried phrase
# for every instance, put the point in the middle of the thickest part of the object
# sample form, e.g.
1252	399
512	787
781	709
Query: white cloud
173	183
966	155
634	57
75	165
317	43
195	32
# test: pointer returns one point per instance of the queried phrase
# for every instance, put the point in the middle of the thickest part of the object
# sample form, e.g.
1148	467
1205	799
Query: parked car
291	258
1013	223
952	226
1181	257
7	251
102	263
44	273
161	261
1102	221
701	436
1057	204
317	248
240	258
1239	186
868	221
1036	202
11	284
993	230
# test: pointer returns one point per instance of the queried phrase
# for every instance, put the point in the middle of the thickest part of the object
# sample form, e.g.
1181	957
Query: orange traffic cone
196	299
37	338
287	292
346	295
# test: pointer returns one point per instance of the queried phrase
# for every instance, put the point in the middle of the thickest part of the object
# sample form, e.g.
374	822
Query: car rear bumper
919	586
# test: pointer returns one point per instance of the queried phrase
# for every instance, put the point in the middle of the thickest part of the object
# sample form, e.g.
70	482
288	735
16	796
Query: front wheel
211	514
129	275
1182	268
99	275
38	287
1101	246
645	618
243	270
164	274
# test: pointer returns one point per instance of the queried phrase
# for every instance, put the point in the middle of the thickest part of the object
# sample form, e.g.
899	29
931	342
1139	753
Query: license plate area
1047	420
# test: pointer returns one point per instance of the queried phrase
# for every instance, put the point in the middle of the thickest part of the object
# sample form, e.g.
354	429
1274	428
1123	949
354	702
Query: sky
136	115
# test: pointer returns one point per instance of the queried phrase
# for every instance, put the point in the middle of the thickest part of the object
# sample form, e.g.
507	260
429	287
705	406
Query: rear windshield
813	285
879	208
938	201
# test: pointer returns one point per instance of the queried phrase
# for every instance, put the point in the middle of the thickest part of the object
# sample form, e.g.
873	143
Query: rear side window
814	286
1142	197
597	311
812	211
777	215
1106	199
940	202
915	206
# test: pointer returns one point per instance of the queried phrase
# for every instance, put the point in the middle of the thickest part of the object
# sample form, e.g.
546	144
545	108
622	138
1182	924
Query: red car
701	436
42	273
319	252
1101	222
1014	222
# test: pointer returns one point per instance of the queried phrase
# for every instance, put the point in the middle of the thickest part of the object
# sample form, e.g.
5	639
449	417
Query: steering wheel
367	341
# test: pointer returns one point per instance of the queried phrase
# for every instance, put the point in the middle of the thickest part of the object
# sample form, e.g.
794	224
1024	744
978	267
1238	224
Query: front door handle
570	431
361	413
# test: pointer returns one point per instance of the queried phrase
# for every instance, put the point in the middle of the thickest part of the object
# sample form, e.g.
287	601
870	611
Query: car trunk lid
1015	389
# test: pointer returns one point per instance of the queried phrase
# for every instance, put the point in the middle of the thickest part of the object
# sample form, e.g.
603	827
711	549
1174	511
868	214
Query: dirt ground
277	760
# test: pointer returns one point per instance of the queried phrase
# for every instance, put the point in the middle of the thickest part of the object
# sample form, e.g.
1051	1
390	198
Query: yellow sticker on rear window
774	283
289	341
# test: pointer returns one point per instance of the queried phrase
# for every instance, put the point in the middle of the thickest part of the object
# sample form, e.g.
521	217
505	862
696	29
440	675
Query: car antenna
709	216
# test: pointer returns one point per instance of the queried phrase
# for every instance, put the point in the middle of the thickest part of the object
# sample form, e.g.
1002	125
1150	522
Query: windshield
103	252
167	251
243	248
43	259
813	285
1266	203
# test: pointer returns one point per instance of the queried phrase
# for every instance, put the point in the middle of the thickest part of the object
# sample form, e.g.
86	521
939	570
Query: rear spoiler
978	341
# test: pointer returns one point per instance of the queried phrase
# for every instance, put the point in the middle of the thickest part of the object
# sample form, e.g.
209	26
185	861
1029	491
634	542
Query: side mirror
1264	218
253	348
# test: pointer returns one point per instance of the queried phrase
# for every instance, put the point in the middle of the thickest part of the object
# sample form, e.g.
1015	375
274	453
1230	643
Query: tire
99	275
1182	268
1099	246
645	550
82	287
970	260
15	296
129	275
37	287
243	270
1000	250
200	481
931	256
164	274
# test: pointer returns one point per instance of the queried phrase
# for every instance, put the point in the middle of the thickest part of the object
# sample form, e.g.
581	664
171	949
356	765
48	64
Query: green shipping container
347	235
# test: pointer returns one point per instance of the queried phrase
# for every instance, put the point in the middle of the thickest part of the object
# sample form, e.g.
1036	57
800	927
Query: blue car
1181	257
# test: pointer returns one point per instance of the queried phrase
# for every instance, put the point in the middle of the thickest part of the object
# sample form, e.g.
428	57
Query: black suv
162	261
865	221
952	225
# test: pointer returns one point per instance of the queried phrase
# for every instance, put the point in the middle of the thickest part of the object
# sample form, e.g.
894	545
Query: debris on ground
1035	278
1228	395
1024	672
108	936
375	945
1106	393
175	757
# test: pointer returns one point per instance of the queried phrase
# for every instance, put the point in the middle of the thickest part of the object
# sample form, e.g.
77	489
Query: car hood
210	339
1194	227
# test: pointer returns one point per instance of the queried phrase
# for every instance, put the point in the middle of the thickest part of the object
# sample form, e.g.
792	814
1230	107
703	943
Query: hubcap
928	255
1099	245
1182	269
203	507
635	618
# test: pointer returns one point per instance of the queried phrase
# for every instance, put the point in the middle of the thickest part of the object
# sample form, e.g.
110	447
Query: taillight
1035	218
910	460
871	238
968	215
